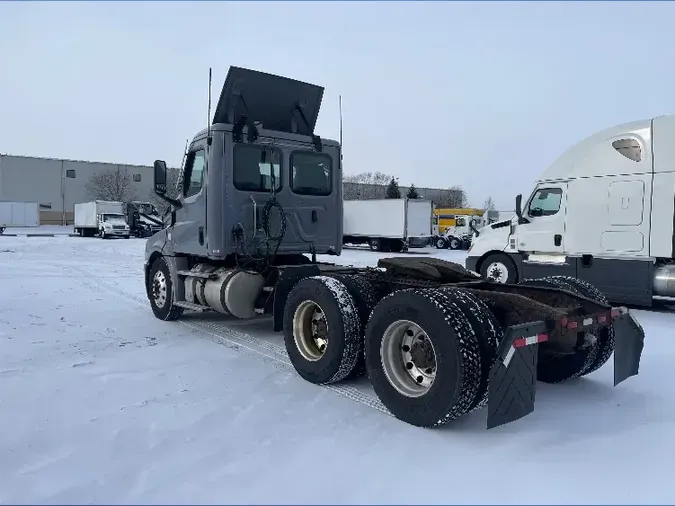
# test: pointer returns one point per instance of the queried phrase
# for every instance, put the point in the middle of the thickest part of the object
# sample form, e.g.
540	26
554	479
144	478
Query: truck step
203	275
192	307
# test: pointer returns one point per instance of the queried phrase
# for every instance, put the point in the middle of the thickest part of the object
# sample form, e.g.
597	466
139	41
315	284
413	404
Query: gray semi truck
262	197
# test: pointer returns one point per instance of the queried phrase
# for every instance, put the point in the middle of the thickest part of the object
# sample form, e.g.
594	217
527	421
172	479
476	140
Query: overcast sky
482	95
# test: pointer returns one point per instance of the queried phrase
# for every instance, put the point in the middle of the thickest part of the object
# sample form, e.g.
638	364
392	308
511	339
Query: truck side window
194	173
311	173
254	166
546	202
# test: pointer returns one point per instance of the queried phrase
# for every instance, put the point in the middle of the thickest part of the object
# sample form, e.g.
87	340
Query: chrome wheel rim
310	331
408	358
159	293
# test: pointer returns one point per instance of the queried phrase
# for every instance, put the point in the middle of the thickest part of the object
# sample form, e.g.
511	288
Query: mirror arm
174	202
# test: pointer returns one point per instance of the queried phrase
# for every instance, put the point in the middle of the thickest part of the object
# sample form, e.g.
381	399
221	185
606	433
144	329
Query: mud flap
629	341
513	377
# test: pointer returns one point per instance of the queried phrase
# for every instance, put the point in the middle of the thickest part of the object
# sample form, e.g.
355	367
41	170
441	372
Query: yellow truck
453	227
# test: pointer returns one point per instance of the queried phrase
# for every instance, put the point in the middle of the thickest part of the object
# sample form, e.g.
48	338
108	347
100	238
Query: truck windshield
311	173
113	217
253	166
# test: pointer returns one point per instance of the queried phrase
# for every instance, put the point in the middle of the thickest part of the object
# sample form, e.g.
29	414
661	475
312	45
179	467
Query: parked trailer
19	214
100	217
603	212
387	224
436	340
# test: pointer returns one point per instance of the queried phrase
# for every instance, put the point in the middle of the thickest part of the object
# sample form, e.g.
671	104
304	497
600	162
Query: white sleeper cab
603	212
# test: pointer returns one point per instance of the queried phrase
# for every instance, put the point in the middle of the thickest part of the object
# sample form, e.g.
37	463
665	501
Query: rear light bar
527	341
588	321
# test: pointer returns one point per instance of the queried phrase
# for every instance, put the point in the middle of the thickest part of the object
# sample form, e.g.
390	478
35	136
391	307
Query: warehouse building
59	184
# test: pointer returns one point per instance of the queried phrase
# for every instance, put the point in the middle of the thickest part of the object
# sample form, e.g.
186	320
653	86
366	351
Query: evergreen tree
392	190
412	192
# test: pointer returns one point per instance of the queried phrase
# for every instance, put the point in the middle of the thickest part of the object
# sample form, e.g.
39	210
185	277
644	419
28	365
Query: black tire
166	311
395	246
366	298
375	245
487	267
558	367
454	243
487	330
458	358
605	338
343	330
441	243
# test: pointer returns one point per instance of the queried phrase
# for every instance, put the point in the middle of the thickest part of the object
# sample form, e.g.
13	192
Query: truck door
545	232
189	232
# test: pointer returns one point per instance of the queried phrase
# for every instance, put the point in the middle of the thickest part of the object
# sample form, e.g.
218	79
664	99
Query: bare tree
454	197
365	186
489	204
113	184
378	178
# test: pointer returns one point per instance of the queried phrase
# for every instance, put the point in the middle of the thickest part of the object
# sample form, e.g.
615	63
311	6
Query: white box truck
387	224
103	218
604	212
19	214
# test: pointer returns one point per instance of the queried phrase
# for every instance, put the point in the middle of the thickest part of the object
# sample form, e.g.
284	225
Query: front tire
160	292
441	243
499	268
454	243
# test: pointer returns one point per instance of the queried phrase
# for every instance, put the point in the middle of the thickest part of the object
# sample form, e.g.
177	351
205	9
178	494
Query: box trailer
387	224
102	218
18	214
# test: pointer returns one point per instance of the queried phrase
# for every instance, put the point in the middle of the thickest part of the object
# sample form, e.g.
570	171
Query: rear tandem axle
436	341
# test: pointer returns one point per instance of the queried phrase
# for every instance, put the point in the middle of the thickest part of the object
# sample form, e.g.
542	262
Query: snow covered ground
102	403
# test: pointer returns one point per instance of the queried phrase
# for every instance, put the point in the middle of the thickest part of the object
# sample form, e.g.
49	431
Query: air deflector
269	99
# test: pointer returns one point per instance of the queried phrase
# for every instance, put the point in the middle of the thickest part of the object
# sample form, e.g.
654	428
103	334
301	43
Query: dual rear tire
427	352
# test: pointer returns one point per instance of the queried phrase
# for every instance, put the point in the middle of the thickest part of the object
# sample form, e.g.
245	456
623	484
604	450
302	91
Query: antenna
340	102
208	119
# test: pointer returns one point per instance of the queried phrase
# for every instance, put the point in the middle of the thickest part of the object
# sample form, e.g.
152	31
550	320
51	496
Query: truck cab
603	212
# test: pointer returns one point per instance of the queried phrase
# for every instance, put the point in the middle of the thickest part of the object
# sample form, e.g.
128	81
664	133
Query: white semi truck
100	217
604	212
388	224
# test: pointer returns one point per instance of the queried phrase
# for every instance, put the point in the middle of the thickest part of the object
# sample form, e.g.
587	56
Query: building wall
60	184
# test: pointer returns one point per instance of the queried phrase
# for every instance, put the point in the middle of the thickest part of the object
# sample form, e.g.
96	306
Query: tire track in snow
221	334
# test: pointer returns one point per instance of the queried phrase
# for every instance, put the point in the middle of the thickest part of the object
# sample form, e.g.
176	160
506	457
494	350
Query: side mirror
160	177
519	210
